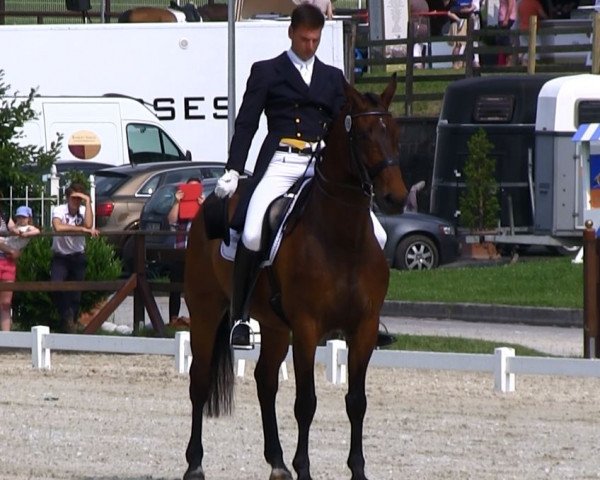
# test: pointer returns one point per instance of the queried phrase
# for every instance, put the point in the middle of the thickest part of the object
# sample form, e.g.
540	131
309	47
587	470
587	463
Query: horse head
374	145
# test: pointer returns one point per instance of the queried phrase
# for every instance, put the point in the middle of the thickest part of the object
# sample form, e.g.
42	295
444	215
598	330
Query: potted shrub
478	203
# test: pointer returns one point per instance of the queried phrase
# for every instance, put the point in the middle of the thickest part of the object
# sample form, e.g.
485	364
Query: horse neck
339	204
337	174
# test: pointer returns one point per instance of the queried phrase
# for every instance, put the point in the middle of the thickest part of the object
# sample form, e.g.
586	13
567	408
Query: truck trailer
179	69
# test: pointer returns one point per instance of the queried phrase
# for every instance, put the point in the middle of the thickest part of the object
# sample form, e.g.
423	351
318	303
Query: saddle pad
228	252
179	15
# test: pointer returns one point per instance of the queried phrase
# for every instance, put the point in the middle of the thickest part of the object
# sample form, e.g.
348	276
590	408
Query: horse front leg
359	353
306	399
274	347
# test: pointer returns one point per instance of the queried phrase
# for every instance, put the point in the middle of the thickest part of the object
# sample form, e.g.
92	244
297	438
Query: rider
300	96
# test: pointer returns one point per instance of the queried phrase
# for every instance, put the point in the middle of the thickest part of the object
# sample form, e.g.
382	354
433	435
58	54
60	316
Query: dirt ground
128	417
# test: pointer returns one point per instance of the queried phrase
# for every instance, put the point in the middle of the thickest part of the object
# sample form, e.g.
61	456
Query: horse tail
124	17
220	390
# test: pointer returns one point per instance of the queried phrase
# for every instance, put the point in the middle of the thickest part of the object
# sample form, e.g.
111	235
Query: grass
554	282
426	343
430	108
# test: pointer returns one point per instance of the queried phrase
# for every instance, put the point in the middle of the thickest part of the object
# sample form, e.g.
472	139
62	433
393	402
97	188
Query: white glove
227	184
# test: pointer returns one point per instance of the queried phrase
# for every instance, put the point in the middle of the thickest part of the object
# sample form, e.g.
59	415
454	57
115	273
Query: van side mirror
188	155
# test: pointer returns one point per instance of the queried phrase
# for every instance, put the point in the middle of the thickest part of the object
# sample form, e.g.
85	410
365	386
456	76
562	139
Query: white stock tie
305	73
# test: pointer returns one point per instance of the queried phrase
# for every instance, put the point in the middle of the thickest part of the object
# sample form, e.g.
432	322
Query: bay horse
332	276
147	15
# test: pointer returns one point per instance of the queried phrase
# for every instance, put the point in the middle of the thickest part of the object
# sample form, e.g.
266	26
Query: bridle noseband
368	174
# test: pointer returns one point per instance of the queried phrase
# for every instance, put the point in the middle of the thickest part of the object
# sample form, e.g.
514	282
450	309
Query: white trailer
180	69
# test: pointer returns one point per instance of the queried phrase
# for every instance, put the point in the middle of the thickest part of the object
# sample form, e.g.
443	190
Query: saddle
223	214
189	10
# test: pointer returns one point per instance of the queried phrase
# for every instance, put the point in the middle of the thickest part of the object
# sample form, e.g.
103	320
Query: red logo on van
84	144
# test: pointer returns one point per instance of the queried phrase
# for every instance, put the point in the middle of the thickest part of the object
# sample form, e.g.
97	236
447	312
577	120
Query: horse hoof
195	474
281	474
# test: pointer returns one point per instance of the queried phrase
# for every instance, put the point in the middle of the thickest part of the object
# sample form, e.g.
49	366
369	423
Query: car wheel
416	252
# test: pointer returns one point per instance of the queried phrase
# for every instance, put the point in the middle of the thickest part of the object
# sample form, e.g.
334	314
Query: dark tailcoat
293	109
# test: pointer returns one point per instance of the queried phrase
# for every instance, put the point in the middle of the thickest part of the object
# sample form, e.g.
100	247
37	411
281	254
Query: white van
112	130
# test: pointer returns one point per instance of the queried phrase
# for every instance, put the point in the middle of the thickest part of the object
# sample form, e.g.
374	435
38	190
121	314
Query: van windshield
148	143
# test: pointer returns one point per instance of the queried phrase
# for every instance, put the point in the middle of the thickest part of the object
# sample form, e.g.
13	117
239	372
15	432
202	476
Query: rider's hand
227	184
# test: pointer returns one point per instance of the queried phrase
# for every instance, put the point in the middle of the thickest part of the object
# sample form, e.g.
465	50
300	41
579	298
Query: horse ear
388	94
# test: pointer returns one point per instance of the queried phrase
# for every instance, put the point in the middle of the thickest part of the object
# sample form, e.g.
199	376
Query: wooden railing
137	284
483	43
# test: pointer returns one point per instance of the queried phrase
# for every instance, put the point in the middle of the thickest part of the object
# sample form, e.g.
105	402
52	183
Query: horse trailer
530	121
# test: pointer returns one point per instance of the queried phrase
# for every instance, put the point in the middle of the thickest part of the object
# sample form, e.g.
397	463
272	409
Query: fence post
335	372
596	45
590	291
469	48
532	45
504	381
410	66
40	356
182	361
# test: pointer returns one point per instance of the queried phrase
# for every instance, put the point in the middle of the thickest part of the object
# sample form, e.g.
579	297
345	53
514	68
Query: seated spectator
10	248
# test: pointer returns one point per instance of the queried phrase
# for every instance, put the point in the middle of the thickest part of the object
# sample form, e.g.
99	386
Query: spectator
68	258
458	27
525	10
325	6
507	14
420	24
10	249
182	227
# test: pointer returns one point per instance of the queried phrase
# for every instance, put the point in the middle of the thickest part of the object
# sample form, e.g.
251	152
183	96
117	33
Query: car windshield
107	183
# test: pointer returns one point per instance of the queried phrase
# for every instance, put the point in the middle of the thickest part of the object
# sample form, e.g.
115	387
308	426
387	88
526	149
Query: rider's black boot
245	273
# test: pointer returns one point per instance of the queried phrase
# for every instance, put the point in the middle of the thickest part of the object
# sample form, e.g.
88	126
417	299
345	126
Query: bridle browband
366	174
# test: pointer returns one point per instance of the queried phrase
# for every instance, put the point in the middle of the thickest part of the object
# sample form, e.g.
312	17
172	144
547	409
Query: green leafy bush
37	308
479	206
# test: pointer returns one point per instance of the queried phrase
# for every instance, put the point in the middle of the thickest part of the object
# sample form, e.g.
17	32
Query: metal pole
230	69
590	291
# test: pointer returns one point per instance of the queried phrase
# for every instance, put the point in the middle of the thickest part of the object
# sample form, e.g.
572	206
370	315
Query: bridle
366	174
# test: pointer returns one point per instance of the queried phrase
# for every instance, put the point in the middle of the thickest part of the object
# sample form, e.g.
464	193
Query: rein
366	174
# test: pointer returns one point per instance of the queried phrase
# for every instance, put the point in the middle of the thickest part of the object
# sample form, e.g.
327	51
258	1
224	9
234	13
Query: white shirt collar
298	62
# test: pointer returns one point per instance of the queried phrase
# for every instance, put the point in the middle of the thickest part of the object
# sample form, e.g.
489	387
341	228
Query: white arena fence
503	363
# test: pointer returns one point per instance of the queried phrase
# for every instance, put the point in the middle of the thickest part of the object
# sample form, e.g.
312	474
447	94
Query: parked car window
149	186
183	175
107	183
212	172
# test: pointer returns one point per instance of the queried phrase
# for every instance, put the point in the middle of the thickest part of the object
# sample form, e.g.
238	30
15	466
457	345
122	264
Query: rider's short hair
307	15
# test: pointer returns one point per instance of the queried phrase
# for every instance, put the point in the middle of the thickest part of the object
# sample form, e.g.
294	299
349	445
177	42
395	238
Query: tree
479	206
21	165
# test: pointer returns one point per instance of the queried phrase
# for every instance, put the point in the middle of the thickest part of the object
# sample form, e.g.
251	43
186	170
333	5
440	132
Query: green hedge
36	308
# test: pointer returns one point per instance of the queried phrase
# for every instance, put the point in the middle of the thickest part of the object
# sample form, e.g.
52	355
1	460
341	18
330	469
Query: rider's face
305	41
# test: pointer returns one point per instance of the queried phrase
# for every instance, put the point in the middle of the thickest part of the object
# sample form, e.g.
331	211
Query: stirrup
384	337
245	341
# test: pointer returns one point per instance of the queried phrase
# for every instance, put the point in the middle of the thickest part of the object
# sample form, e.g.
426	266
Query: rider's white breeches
282	172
